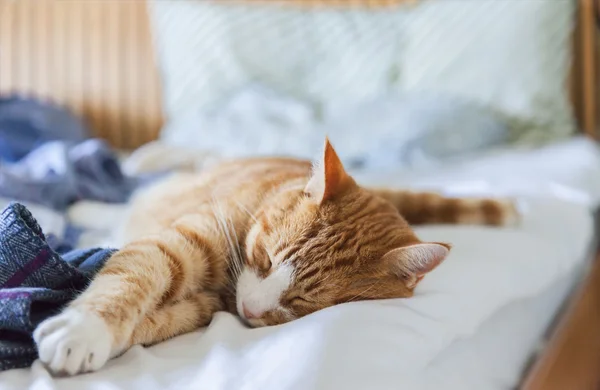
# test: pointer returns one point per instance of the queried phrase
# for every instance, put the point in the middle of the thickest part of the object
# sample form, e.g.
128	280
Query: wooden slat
95	56
6	31
586	50
57	43
96	109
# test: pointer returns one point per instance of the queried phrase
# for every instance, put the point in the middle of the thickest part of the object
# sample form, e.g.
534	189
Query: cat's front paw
73	342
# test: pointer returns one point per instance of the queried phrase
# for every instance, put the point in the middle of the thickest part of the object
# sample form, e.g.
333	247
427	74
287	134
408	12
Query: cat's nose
247	313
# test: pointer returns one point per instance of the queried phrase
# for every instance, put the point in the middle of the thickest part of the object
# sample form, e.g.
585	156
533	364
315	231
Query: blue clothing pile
48	162
35	281
46	158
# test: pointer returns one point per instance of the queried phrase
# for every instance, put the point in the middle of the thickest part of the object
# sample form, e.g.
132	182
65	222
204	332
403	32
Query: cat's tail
420	208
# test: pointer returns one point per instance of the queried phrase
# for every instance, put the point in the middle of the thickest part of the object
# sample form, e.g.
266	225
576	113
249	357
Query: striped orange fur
271	240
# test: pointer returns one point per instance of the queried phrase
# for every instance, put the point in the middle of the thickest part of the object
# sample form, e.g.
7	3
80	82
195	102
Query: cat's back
224	186
255	170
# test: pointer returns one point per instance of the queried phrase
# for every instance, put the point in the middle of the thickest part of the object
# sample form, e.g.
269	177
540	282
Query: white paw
72	342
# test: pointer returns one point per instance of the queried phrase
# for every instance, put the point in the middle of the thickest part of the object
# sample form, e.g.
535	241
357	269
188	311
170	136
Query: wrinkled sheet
496	356
389	344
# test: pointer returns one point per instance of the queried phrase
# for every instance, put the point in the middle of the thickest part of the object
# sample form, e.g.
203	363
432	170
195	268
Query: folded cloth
35	281
51	221
59	173
27	123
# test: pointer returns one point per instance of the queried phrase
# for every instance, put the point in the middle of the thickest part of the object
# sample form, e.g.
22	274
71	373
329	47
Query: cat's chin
272	318
254	322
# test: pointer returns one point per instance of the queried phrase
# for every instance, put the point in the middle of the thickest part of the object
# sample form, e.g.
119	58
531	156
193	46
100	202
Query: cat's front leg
143	276
170	320
97	325
87	340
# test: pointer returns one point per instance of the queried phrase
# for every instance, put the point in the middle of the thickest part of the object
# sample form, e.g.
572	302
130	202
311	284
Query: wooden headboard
96	56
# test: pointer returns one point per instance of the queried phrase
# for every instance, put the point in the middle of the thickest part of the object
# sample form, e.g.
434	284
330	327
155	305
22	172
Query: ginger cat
267	239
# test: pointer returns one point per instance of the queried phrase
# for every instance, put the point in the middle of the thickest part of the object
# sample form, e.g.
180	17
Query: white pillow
209	49
412	130
251	122
402	130
509	56
512	56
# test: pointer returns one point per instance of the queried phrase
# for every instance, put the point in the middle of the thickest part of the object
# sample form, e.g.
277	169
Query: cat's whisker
361	294
236	248
232	246
245	209
230	286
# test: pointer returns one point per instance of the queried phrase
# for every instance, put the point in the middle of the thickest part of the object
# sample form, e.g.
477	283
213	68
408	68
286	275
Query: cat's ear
329	177
412	262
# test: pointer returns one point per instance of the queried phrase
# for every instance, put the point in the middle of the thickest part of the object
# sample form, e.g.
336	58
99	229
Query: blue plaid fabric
35	281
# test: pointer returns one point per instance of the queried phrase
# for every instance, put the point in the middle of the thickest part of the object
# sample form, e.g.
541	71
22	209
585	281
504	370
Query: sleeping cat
270	240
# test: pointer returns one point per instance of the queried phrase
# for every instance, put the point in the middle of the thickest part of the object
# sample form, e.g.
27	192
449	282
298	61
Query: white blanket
387	344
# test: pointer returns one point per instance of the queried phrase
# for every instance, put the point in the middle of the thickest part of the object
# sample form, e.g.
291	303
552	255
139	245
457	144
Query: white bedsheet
496	356
388	344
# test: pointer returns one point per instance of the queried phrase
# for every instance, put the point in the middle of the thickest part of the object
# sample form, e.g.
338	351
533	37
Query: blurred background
468	97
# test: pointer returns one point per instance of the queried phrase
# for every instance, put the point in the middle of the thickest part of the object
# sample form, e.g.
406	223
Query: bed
514	342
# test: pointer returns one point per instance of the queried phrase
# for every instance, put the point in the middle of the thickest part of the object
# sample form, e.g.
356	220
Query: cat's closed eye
299	300
265	265
261	258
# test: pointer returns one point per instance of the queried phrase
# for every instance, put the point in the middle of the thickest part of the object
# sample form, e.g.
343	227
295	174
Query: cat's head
326	243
